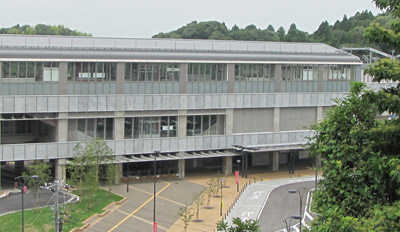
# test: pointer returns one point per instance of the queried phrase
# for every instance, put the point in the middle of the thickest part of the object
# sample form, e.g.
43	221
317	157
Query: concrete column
120	77
1	76
230	74
195	163
63	79
319	113
358	73
278	78
118	173
181	168
62	128
227	165
182	120
183	78
275	161
61	169
119	125
321	78
229	122
277	115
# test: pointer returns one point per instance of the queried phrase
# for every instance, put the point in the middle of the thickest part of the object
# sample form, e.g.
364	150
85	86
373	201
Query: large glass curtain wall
90	128
33	71
151	72
202	125
254	72
207	72
150	127
92	71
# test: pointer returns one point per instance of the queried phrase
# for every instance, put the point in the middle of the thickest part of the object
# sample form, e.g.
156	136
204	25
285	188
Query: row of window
38	71
299	72
92	71
207	72
145	127
153	72
254	72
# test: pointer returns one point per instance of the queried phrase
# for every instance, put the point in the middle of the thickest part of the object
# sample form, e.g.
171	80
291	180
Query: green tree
111	171
41	169
249	225
186	214
281	33
198	201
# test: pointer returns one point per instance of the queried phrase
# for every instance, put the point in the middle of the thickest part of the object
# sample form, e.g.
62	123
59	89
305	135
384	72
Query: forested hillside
345	32
41	29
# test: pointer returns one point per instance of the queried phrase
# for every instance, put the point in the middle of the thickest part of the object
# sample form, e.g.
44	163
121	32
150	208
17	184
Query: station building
194	104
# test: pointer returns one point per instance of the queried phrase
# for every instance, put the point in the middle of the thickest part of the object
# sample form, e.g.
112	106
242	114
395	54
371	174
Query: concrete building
200	103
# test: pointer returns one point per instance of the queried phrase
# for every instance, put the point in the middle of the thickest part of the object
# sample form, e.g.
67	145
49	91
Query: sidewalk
230	194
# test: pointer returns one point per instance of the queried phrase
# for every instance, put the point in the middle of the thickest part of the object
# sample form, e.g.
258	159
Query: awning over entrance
174	156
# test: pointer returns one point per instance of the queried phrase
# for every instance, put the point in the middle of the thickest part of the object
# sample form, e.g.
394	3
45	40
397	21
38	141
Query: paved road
137	213
281	204
253	202
14	202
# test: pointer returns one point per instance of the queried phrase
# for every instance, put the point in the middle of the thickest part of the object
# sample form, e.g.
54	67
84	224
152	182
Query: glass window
6	69
189	126
91	126
14	69
81	129
22	70
100	128
128	128
109	129
213	124
31	70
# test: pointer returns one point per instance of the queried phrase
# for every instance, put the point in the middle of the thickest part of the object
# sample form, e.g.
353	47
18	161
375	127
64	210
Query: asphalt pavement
281	204
13	202
270	202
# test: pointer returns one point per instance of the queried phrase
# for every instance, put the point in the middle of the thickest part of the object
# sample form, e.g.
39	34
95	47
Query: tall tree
41	169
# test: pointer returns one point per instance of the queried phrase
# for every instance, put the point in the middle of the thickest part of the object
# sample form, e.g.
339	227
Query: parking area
136	214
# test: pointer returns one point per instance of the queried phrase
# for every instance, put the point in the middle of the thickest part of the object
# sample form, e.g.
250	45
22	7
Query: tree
41	169
281	33
186	215
85	166
198	201
249	225
360	188
110	175
211	188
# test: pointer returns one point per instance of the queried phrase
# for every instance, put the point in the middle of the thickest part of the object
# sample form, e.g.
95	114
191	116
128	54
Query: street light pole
21	180
237	175
290	222
301	194
154	191
220	211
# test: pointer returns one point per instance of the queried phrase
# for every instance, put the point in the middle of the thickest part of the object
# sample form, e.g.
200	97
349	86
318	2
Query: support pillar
319	114
61	169
275	161
227	165
182	120
229	122
181	168
118	173
277	115
62	128
119	125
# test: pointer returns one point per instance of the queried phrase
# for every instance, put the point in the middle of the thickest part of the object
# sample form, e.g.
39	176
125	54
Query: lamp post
21	180
295	216
301	194
154	191
220	211
237	174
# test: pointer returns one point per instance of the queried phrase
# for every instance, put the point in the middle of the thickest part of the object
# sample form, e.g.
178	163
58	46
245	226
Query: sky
145	18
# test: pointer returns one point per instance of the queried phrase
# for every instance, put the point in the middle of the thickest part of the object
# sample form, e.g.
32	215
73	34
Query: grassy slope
43	219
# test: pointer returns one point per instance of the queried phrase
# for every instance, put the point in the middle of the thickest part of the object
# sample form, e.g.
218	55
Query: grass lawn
43	219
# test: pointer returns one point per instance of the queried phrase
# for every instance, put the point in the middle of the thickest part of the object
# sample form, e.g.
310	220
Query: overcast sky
142	19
